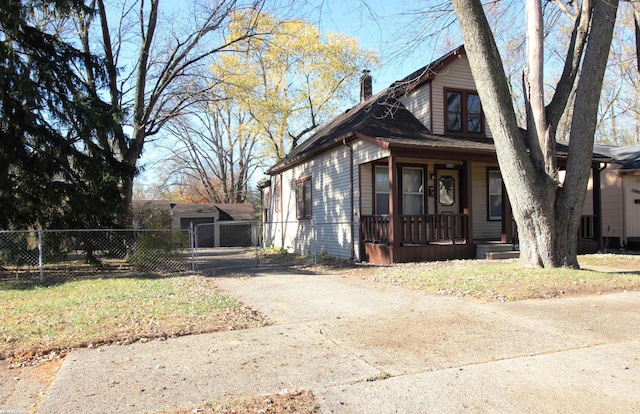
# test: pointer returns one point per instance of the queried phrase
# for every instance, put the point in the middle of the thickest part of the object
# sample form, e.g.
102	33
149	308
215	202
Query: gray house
408	174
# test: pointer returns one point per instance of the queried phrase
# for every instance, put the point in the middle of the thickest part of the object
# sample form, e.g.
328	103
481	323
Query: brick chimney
366	85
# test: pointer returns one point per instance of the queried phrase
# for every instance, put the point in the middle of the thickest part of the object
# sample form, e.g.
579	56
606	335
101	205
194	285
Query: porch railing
417	229
375	229
587	229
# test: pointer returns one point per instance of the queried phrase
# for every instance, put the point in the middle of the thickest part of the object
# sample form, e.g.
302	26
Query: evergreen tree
52	175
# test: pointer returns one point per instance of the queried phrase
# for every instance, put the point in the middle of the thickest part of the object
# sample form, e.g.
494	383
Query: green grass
37	319
510	280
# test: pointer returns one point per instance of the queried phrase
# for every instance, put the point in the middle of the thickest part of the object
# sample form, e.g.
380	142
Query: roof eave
286	164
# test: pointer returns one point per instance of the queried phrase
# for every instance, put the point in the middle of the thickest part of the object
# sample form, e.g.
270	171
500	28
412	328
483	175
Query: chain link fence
64	254
213	248
309	242
226	246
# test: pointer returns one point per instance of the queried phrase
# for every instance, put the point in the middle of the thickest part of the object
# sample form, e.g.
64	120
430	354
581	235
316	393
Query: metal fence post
192	246
40	263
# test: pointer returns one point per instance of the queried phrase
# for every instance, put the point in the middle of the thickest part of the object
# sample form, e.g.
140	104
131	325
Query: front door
448	191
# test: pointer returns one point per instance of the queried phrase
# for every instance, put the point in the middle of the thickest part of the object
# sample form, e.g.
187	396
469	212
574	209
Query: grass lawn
38	319
505	280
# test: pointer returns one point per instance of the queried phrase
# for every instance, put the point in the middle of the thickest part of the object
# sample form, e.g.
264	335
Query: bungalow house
408	174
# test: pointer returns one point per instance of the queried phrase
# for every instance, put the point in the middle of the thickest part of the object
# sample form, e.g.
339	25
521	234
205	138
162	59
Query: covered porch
442	209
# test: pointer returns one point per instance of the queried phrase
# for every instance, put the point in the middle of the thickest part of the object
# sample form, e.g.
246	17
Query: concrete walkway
364	347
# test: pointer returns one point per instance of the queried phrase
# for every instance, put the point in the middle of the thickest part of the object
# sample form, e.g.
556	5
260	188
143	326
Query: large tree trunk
572	194
547	212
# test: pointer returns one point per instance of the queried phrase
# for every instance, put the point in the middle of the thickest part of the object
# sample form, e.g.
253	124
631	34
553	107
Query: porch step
513	254
482	250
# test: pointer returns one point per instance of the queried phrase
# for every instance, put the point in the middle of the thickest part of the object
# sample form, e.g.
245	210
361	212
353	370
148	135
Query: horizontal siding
418	102
482	228
331	203
364	152
611	204
632	210
366	189
455	75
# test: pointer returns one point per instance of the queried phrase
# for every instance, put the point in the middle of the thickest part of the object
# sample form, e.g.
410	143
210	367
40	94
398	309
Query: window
382	190
412	191
494	195
303	198
464	113
266	203
277	193
447	190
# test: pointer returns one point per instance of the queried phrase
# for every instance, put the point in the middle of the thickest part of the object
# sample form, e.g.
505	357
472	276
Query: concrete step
484	248
513	254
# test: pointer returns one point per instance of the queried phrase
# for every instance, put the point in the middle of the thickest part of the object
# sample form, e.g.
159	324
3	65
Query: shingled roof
385	120
225	211
627	157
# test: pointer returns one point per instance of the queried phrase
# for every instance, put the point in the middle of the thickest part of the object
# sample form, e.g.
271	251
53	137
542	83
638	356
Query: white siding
364	151
482	227
331	203
418	102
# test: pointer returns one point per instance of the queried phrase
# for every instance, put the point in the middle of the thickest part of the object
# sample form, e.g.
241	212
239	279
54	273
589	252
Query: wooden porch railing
587	229
375	229
416	229
432	228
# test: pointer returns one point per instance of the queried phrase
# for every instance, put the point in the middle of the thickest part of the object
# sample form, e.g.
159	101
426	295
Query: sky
391	28
387	27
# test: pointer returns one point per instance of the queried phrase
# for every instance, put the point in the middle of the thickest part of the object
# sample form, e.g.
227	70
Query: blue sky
389	27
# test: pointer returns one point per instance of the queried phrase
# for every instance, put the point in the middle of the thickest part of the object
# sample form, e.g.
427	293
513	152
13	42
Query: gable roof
380	116
235	211
384	120
225	211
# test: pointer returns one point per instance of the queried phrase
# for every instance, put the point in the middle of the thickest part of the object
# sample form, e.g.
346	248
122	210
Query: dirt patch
297	401
23	388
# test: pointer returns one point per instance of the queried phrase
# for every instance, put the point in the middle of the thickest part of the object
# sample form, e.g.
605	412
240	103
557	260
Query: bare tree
213	152
545	209
154	67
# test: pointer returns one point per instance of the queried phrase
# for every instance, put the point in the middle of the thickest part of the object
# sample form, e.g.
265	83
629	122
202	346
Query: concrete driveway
364	347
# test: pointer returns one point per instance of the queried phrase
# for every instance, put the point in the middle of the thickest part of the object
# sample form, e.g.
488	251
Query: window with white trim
494	195
382	189
413	190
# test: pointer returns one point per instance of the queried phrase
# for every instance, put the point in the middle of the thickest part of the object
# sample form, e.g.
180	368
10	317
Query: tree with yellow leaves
289	80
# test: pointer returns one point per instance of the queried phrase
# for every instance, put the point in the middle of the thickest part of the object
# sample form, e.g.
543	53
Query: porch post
394	205
468	205
507	218
597	204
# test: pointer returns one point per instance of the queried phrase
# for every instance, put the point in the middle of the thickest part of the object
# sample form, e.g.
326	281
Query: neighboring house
620	188
409	174
203	217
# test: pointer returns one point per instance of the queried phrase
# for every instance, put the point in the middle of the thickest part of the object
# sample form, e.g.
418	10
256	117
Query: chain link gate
226	246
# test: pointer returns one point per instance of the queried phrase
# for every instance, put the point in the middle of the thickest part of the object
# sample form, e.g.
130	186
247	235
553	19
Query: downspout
352	206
